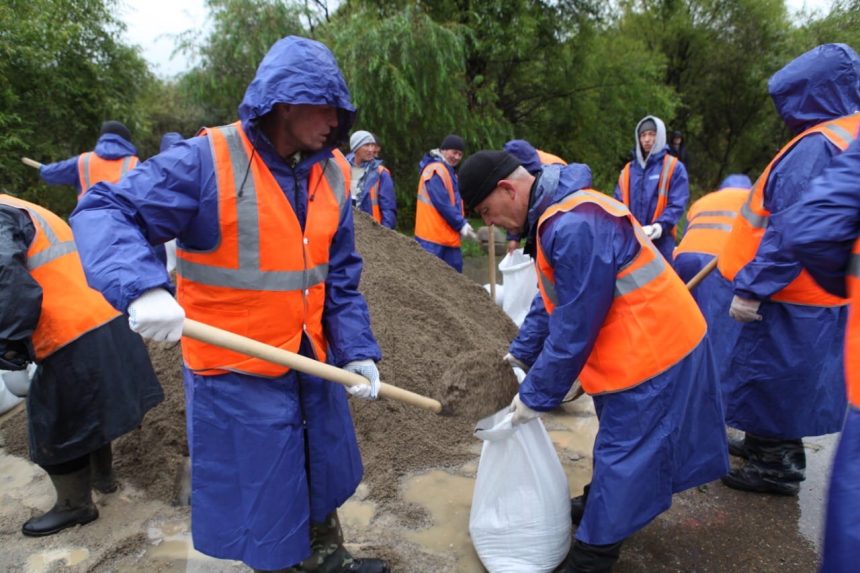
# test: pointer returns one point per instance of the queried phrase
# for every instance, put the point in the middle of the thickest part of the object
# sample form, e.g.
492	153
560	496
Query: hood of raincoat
430	157
820	85
299	71
659	143
112	146
525	153
736	181
555	183
169	139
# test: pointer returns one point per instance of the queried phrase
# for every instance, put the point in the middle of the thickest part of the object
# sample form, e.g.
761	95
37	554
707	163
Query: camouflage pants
328	555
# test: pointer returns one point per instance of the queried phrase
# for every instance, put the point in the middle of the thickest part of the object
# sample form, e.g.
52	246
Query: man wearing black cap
439	217
113	157
605	294
654	185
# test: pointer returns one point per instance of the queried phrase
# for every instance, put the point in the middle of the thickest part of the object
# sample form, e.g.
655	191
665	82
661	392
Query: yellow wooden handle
31	162
244	345
700	276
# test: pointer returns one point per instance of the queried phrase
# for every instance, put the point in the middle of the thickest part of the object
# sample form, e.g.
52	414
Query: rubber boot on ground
330	556
585	558
738	447
577	505
74	505
773	466
101	470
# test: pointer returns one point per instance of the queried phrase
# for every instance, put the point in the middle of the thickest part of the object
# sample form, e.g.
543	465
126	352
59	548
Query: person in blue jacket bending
371	186
826	226
266	247
654	185
786	380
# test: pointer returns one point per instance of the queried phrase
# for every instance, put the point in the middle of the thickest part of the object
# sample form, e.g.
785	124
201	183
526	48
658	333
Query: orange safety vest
749	228
375	211
265	279
852	332
70	308
549	158
636	341
709	221
669	164
93	169
429	223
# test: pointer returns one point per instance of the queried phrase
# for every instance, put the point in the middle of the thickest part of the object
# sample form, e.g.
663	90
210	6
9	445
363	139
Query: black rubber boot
738	447
101	470
585	558
330	556
773	466
74	505
577	505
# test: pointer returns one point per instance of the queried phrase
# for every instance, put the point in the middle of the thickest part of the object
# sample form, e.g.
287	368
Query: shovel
31	162
243	345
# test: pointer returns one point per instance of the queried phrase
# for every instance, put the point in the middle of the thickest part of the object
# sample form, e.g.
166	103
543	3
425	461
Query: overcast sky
153	25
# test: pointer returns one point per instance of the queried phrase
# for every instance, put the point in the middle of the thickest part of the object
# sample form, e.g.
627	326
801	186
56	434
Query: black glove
14	355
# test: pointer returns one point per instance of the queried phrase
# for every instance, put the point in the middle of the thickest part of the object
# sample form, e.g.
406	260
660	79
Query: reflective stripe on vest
624	354
663	184
709	221
852	331
110	170
265	278
429	223
70	308
748	229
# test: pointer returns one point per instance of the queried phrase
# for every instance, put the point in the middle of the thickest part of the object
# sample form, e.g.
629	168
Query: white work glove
170	250
517	365
522	413
467	232
744	309
654	231
156	316
366	368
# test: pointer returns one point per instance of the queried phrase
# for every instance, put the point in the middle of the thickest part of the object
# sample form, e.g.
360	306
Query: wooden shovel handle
700	276
244	345
31	162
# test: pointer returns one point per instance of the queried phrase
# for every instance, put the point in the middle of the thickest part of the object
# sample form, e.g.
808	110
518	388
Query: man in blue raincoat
654	185
785	380
261	212
372	188
653	380
114	146
827	226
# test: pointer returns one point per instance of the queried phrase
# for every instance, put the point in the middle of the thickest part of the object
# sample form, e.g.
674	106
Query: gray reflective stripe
754	219
334	177
49	254
718	226
424	198
548	288
663	188
854	266
86	170
126	162
249	276
641	276
842	132
729	214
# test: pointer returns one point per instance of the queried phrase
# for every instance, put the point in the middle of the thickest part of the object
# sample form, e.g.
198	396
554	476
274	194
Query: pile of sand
441	336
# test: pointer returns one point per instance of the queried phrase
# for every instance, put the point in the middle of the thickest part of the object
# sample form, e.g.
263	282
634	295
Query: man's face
364	153
307	127
452	156
676	141
505	207
376	148
646	140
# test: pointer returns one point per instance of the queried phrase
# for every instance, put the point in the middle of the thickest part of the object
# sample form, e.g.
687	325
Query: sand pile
441	336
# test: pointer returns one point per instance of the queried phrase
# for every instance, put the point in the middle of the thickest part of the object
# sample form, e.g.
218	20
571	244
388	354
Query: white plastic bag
520	281
520	518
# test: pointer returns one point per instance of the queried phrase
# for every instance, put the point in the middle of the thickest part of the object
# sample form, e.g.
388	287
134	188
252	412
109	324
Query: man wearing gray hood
654	186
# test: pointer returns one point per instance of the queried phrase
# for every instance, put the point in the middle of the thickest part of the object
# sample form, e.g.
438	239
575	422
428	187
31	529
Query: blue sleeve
440	199
529	341
116	226
679	195
346	318
20	294
826	222
774	266
585	270
387	200
61	173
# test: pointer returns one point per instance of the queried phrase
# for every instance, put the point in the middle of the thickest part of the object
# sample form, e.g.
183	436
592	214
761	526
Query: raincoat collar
112	146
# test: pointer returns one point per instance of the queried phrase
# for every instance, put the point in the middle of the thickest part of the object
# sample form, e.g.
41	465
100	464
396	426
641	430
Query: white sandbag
18	381
7	399
520	517
500	289
520	281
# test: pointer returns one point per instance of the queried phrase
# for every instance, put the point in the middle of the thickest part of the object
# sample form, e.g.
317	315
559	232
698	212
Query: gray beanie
360	138
647	125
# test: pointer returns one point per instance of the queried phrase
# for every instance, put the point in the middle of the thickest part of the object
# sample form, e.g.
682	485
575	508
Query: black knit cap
116	128
481	173
453	142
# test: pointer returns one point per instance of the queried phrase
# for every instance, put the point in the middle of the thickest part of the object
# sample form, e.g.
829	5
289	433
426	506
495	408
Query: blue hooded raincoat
169	139
660	437
451	213
644	176
269	456
786	379
387	197
827	223
109	146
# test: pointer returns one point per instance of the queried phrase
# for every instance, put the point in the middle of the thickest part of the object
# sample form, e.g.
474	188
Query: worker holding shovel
614	314
266	249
